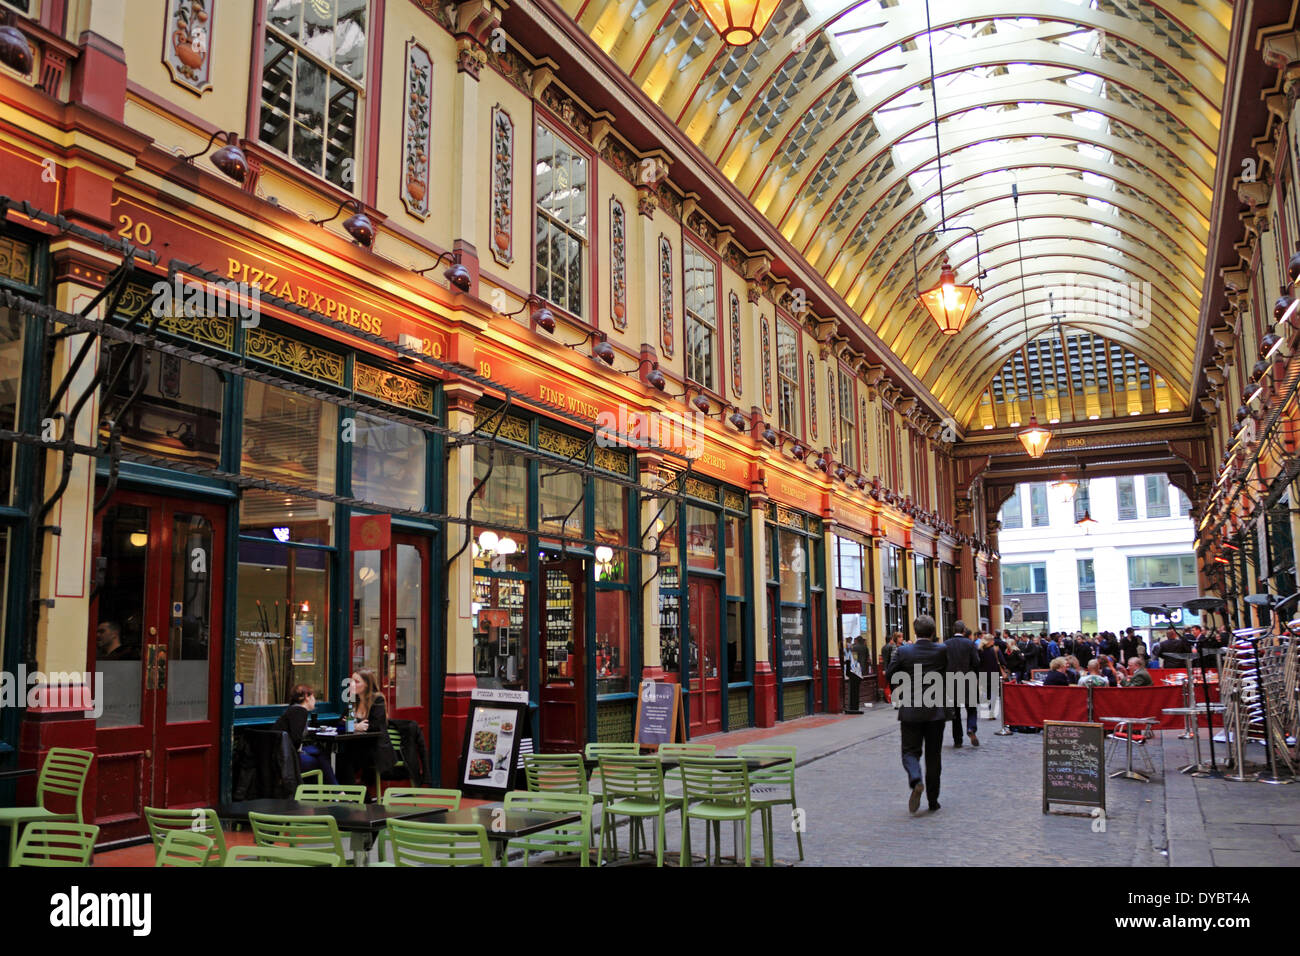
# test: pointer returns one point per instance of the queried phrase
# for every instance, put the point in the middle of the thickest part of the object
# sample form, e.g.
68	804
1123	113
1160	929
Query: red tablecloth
1028	706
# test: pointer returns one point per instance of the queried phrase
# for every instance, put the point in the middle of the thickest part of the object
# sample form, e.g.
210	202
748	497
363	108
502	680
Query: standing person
887	655
964	659
1014	659
1128	645
921	727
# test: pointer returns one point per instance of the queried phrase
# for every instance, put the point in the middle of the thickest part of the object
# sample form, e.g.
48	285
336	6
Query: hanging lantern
739	22
1034	438
1064	488
948	303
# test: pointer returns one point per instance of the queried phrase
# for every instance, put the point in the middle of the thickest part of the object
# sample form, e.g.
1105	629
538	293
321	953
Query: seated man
1138	676
1056	677
1094	678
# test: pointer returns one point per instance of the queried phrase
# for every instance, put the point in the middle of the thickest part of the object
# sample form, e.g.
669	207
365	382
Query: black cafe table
16	773
362	821
504	825
672	763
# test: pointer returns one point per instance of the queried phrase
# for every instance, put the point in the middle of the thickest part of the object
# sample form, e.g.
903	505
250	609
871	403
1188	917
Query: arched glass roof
1104	113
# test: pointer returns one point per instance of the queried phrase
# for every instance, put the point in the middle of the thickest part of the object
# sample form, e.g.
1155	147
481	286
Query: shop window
737	572
289	437
177	412
1038	514
282	621
787	378
500	613
611	532
503	498
388	462
1087	580
700	292
559	501
313	76
848	419
11	377
1082	502
1157	487
562	230
1012	516
121	612
850	565
613	640
670	599
701	538
737	662
1127	499
794	567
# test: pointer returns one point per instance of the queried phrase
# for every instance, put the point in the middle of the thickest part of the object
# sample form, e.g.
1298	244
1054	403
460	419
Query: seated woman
371	711
1055	677
302	701
1107	670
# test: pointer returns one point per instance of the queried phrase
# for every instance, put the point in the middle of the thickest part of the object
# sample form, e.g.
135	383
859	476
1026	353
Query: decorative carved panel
187	43
767	365
618	263
295	356
666	295
737	364
417	106
396	389
812	396
503	164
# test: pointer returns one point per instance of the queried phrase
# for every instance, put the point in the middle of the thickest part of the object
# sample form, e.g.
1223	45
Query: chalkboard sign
1074	764
794	663
659	714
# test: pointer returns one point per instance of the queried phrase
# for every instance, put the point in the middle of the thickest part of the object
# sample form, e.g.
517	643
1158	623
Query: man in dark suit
1172	644
964	658
919	693
1128	645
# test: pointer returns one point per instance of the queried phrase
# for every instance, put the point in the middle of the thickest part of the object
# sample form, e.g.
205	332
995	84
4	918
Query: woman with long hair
371	712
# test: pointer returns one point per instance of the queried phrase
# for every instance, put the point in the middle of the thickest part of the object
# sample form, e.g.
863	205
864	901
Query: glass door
390	620
563	691
156	610
704	685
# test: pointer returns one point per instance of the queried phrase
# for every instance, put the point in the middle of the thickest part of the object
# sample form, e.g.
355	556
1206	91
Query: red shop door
156	614
704	684
563	691
390	623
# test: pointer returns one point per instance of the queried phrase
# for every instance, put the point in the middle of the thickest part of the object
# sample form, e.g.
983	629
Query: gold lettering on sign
714	461
277	285
568	402
1075	442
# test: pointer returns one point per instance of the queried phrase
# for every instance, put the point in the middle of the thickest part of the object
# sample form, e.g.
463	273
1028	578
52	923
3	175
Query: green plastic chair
185	848
312	776
55	843
298	833
395	739
438	844
201	821
422	797
634	788
331	793
63	774
773	786
277	856
569	839
716	789
596	751
673	777
555	773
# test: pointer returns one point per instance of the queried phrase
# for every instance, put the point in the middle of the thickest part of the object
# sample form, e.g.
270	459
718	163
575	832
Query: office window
1127	497
313	71
1184	505
1024	578
1086	580
700	290
1157	496
1012	514
848	419
1162	571
1038	514
852	565
787	377
562	221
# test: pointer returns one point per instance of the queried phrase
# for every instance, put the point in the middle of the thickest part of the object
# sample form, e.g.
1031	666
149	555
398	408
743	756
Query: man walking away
964	659
921	726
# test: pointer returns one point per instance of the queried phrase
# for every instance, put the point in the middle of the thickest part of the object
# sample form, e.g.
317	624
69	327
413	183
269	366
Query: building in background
1133	549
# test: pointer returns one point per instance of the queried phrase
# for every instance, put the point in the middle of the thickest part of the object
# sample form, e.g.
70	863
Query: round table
1127	723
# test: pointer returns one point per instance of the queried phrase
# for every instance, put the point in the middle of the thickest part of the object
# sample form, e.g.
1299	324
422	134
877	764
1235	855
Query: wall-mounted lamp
456	274
602	350
738	421
654	378
769	435
229	159
15	51
357	225
541	316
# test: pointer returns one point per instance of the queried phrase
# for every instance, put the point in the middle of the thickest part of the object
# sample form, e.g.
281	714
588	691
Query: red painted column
58	722
455	716
764	695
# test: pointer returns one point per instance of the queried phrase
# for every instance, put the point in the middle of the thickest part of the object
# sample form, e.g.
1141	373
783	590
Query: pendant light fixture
738	22
1087	520
1035	437
948	303
1064	488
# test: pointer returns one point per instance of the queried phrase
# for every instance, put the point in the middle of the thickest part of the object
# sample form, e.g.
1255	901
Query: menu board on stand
493	733
660	718
1074	764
